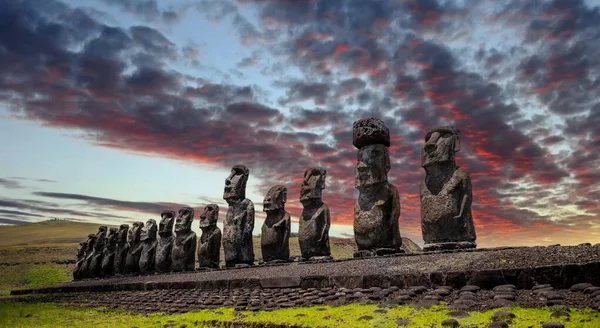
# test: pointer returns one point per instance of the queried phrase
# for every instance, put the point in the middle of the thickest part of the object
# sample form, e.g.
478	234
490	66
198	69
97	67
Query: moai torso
164	245
275	232
446	194
89	252
132	261
313	232
95	266
148	239
239	221
122	249
209	247
377	209
183	255
108	257
80	259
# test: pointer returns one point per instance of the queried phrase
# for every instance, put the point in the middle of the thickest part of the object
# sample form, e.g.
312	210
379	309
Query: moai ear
457	141
324	178
284	194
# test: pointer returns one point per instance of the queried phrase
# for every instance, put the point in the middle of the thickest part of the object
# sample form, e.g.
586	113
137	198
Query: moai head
90	243
81	249
185	217
441	144
135	232
313	184
100	242
275	199
123	234
165	227
372	138
235	184
111	238
210	216
149	231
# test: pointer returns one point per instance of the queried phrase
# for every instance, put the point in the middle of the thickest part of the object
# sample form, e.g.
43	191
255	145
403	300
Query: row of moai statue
446	220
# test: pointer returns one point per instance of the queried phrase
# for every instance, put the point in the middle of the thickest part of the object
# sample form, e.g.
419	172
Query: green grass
32	276
51	315
46	232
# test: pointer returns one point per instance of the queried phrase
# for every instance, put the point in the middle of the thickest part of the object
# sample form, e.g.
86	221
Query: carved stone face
373	165
135	232
235	184
123	234
210	216
275	199
149	231
184	219
440	146
313	184
165	227
90	243
100	238
81	249
111	238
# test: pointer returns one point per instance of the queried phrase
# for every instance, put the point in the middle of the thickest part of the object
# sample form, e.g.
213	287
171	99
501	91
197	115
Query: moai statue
209	248
275	233
89	252
377	209
148	239
183	255
80	259
239	222
95	266
164	246
313	233
108	257
132	261
446	195
122	249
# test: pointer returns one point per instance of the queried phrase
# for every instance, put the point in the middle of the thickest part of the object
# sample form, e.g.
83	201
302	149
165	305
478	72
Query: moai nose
429	147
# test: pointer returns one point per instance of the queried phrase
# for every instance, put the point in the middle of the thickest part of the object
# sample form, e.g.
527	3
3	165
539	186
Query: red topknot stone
370	131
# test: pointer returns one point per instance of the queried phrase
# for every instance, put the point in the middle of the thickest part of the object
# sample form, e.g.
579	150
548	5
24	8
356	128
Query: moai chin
148	239
122	249
209	248
313	233
183	255
446	194
132	261
80	259
89	252
164	246
239	221
377	209
108	257
95	265
275	232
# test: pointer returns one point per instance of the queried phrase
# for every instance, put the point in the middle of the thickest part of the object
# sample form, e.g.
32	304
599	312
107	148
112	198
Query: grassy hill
46	232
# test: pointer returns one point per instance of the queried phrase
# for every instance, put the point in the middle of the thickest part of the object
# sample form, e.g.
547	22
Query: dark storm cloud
10	184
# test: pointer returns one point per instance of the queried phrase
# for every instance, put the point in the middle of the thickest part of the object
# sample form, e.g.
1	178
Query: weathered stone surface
95	264
209	247
84	250
446	194
164	245
122	249
108	257
239	221
313	232
377	209
148	239
275	232
580	287
280	282
132	261
183	255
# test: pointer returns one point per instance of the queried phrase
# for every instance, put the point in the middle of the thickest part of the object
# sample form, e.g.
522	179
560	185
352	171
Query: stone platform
523	267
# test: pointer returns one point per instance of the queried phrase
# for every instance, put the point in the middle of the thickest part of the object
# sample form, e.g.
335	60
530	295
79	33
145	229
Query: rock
559	314
94	268
148	241
239	222
498	303
510	297
365	318
402	322
108	257
542	286
450	323
441	292
504	287
446	194
418	289
209	245
580	287
134	252
370	131
503	316
552	325
183	254
591	290
458	314
274	240
313	231
470	288
498	324
164	245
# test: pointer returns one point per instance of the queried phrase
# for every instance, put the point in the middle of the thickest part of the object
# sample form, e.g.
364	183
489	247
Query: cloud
10	184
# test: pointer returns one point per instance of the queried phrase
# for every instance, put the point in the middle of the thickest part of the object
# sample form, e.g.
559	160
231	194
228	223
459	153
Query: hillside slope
46	232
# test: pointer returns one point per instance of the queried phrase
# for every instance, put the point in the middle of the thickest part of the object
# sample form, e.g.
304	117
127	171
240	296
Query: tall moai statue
164	246
132	261
239	221
148	239
377	209
95	266
122	249
209	247
89	252
313	233
446	194
108	257
183	255
275	232
80	259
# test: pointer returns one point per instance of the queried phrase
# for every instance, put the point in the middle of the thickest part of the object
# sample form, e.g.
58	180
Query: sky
114	110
